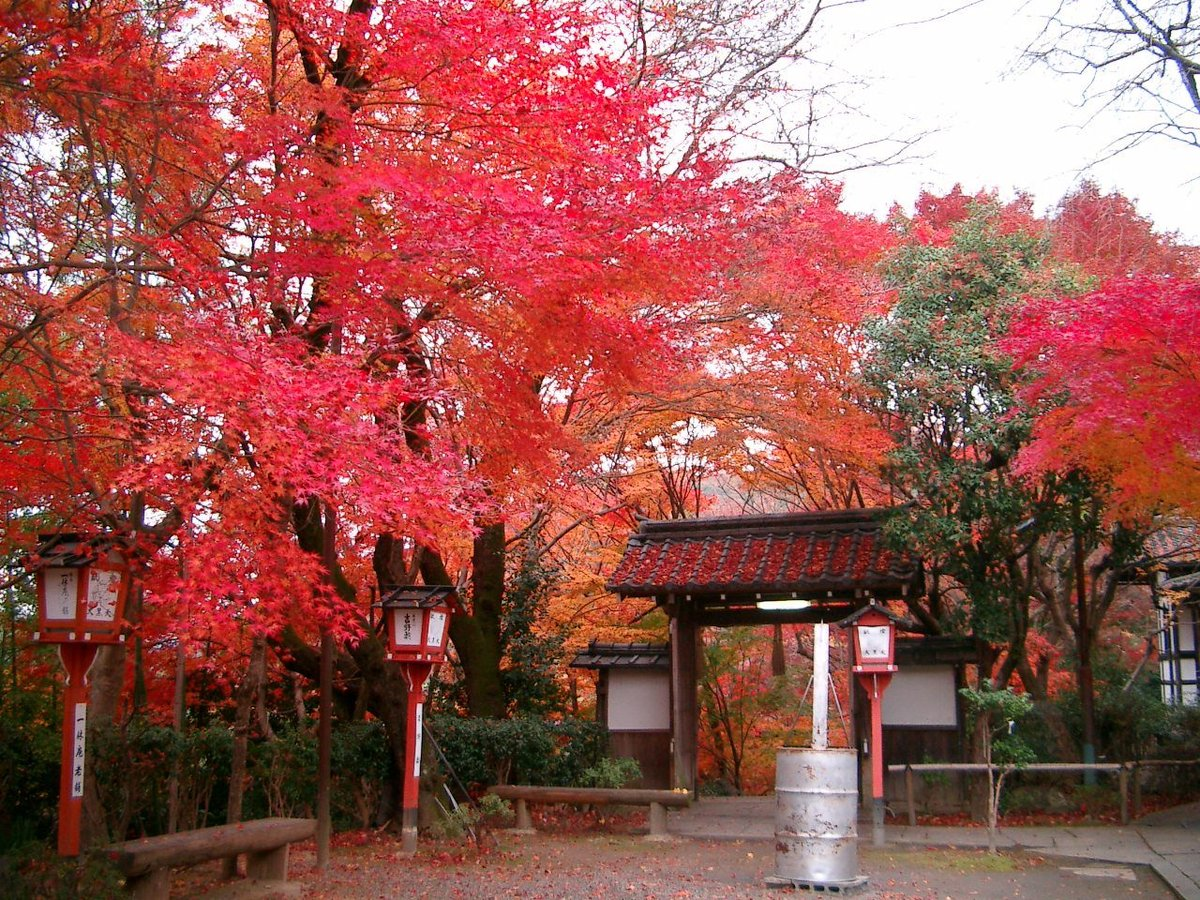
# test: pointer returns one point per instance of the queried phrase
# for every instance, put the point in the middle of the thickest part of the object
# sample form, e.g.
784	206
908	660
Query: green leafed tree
947	395
996	713
1025	564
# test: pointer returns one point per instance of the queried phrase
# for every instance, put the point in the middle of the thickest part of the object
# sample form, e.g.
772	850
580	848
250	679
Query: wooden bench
657	800
146	863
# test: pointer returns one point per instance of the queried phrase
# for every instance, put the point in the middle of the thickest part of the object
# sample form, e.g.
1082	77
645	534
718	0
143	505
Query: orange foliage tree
1108	238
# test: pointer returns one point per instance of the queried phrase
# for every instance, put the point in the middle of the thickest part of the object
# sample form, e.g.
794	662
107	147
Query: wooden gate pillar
684	692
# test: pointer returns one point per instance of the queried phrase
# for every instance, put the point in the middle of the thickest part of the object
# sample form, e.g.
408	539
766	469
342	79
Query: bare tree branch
1141	59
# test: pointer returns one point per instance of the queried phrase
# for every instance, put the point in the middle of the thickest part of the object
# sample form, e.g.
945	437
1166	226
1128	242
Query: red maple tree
300	299
1107	237
1116	378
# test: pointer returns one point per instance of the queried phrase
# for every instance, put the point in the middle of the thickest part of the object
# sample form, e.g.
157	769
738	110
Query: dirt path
616	865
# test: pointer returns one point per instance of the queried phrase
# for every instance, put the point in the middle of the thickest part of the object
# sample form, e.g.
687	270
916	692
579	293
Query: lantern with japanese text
416	622
874	641
81	590
874	633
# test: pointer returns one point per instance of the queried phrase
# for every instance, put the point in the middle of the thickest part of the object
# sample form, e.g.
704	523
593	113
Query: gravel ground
619	865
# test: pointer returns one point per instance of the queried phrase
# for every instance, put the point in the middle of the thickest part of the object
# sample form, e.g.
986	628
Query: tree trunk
389	701
1049	711
246	693
106	679
1083	640
714	726
298	706
474	632
979	792
177	723
477	636
387	692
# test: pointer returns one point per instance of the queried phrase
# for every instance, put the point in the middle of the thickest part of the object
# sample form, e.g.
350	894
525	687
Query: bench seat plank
186	848
631	796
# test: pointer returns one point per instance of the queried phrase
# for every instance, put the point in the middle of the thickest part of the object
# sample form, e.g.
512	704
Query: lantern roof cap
417	595
69	548
899	621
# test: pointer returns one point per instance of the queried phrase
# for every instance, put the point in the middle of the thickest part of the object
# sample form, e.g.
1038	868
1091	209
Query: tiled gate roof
803	554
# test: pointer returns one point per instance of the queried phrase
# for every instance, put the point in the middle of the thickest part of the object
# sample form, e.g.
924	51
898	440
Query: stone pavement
1168	842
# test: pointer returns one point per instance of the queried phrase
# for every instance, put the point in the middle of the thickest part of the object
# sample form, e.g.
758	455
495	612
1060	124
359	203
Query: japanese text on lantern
102	589
437	625
60	593
873	641
407	627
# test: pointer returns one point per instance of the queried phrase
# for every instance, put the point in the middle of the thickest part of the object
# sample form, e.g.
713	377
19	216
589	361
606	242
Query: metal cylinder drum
816	816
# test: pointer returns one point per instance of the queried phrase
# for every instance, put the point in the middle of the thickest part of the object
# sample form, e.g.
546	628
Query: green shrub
1131	723
205	755
133	765
1041	792
580	744
532	657
29	763
36	872
361	762
612	773
519	751
716	787
933	779
1181	736
475	817
284	775
131	768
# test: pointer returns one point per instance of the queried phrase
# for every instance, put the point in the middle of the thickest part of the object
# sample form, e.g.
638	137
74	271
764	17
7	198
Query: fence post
908	795
1123	787
1137	790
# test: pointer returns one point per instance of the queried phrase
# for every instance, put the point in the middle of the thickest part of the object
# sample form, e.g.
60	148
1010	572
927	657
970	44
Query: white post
820	707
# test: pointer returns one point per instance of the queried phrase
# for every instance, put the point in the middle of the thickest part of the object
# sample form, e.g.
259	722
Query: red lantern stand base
874	684
416	675
77	659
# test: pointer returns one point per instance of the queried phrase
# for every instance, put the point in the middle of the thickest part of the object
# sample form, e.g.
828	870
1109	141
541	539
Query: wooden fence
1129	777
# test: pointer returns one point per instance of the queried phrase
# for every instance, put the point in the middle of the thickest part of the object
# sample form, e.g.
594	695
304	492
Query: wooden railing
1129	778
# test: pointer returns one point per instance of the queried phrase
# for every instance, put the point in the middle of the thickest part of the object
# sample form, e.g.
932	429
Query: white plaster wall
921	696
639	700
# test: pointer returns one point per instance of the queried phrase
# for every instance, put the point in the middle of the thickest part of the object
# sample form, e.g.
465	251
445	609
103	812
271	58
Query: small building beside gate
923	714
633	701
924	718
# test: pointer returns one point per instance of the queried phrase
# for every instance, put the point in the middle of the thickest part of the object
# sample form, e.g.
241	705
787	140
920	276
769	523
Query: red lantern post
874	663
81	590
417	625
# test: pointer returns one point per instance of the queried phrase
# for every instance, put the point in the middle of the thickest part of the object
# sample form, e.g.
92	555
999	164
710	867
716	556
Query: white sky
1000	123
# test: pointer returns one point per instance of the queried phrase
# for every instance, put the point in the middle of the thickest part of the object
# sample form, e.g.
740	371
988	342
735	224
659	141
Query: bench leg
268	865
658	821
524	821
154	885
